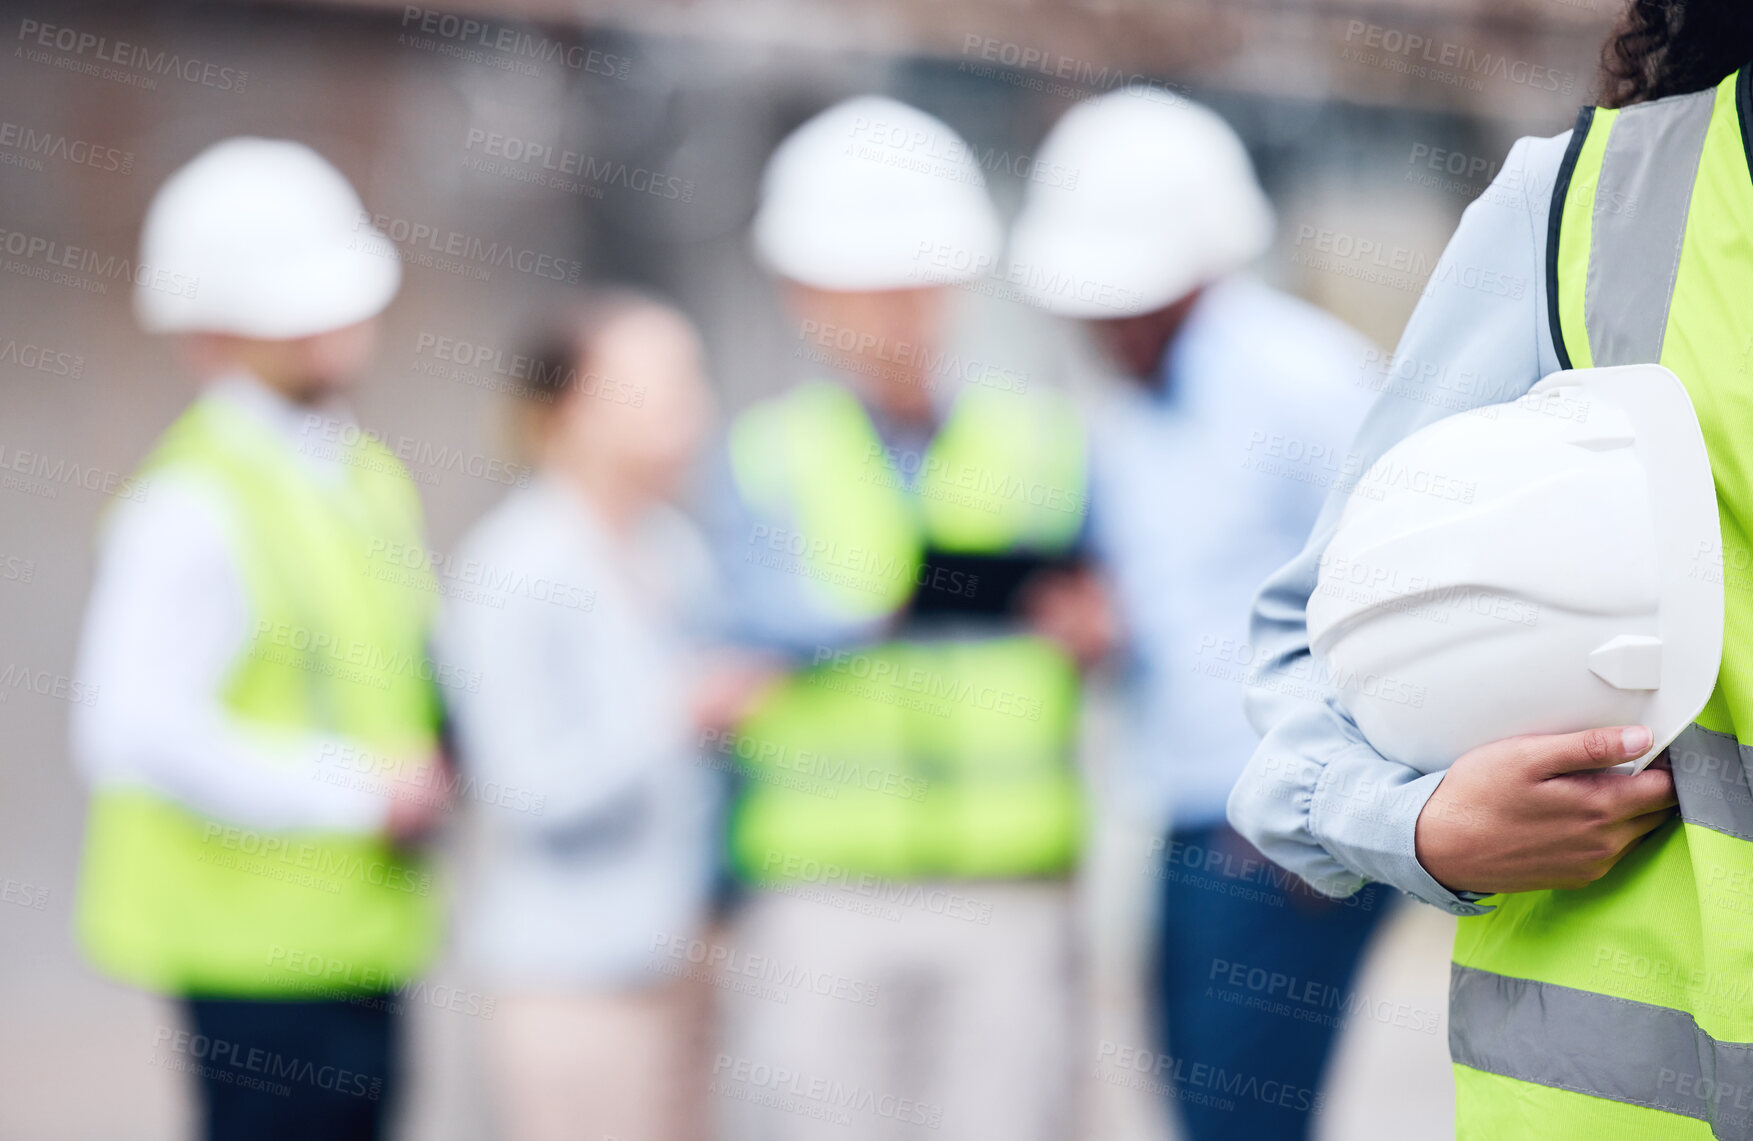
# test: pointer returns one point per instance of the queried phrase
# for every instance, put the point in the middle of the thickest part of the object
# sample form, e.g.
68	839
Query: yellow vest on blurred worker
186	905
1625	1008
947	755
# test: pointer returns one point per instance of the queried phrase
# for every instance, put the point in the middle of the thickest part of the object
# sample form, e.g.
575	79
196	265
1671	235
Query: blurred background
630	140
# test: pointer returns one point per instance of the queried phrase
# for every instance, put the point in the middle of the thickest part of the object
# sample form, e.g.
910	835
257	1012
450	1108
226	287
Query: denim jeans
1252	971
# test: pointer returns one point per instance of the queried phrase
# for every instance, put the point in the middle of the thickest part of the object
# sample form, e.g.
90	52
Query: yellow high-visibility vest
949	757
178	903
1625	1008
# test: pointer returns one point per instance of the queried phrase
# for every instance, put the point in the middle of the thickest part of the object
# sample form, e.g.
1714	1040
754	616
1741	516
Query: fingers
1590	750
1616	844
1649	791
1631	834
1625	835
1612	798
1640	826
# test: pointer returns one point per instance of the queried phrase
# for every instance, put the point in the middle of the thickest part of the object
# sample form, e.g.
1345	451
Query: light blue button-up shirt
1316	798
1204	485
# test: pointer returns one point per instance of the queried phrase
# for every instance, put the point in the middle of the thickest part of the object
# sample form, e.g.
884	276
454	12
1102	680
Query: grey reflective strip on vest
1605	1047
1639	222
1710	779
1614	1048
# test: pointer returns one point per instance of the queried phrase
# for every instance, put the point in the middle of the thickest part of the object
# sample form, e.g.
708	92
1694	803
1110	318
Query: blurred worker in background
598	870
247	658
910	809
1210	464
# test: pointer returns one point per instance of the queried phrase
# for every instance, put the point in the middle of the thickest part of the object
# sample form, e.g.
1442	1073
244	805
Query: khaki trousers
936	1010
620	1065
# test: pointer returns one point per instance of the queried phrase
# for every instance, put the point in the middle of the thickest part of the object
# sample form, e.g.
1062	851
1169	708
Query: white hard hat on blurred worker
1153	196
265	239
873	195
1535	567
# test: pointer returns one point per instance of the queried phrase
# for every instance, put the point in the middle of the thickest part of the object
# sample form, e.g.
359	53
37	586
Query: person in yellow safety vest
909	810
1601	965
267	737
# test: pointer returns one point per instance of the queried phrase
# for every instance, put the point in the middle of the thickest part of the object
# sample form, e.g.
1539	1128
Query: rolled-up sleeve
1316	798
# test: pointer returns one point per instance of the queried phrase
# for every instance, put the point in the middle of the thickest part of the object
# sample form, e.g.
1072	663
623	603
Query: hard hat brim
1683	494
1091	272
325	290
1542	566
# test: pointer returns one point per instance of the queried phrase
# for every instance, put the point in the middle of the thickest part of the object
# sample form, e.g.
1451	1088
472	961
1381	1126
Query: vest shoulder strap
1555	225
1014	471
1004	469
770	440
215	437
1617	225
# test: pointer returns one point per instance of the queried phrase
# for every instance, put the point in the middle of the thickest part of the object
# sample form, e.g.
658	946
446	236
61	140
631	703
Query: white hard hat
1138	198
872	194
1535	567
261	238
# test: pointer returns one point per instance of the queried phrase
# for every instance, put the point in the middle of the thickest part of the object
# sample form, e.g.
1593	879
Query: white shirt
168	619
597	811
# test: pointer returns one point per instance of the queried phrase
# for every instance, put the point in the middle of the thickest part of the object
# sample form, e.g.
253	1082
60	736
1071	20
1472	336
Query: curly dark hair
1670	47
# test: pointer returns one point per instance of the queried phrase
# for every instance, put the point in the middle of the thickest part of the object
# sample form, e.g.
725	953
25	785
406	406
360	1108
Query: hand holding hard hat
1528	568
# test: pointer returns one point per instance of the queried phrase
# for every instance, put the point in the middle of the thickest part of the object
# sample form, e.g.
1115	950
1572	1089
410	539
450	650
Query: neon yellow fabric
1502	1109
1672	923
174	902
1005	471
1707	344
911	759
1577	232
859	547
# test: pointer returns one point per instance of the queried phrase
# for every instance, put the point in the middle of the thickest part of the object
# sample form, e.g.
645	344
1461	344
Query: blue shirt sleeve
1315	797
